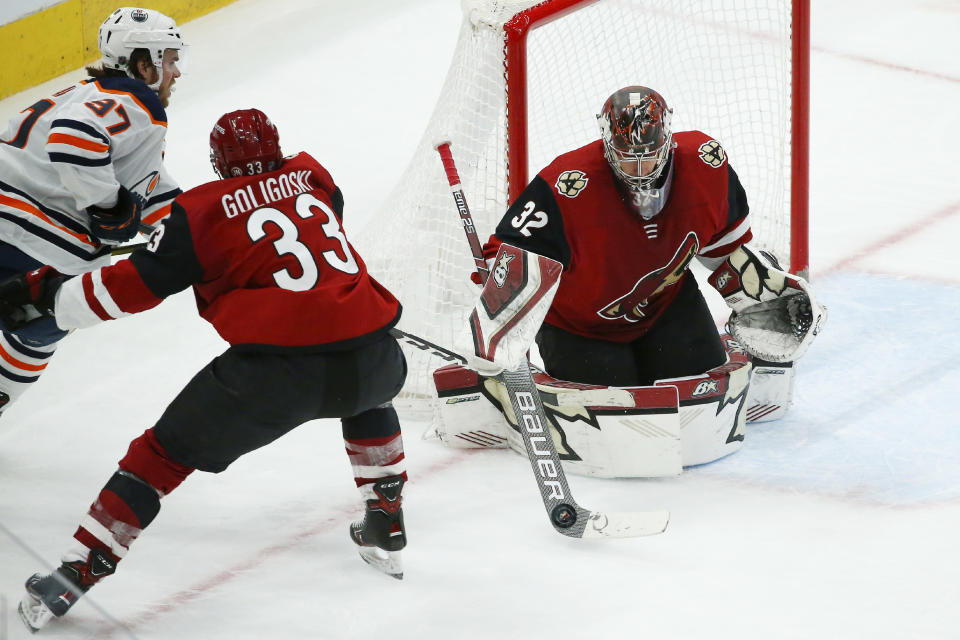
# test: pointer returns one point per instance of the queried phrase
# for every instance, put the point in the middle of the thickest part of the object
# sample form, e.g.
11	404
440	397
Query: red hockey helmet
637	140
244	143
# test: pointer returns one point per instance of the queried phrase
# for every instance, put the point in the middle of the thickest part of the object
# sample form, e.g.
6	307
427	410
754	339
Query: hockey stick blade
566	516
625	525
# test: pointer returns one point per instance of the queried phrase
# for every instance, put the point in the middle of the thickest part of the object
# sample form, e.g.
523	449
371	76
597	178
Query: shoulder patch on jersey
571	183
712	154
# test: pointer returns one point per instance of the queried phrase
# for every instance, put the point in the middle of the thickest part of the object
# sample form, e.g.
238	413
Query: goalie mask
638	145
244	143
131	28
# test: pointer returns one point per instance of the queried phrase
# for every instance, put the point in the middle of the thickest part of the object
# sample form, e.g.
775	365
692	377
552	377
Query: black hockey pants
245	399
683	342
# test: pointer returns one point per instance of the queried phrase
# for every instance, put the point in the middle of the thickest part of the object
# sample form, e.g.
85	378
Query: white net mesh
722	65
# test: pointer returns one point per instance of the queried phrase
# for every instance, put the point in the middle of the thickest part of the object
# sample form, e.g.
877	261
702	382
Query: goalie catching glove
775	315
512	305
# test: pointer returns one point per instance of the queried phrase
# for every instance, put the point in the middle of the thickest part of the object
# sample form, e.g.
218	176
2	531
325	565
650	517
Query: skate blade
34	614
385	561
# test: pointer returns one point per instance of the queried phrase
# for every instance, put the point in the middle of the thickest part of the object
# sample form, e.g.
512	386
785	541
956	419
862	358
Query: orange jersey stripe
29	208
74	141
162	212
134	98
19	364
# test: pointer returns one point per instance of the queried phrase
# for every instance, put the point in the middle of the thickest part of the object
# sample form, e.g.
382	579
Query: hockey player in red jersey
80	170
626	215
308	327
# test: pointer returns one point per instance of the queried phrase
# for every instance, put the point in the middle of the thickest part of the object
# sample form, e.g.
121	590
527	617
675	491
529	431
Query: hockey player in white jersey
82	170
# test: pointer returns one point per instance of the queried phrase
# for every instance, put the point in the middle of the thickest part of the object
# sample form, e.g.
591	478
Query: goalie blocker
514	301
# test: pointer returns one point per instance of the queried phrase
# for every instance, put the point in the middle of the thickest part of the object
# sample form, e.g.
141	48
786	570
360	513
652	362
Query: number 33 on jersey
267	258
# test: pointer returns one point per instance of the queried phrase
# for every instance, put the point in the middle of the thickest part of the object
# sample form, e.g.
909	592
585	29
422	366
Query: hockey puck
563	516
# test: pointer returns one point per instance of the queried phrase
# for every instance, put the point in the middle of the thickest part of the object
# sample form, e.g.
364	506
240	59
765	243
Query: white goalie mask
131	28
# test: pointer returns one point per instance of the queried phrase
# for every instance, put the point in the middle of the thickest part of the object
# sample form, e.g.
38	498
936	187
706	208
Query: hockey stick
566	516
130	248
426	345
127	248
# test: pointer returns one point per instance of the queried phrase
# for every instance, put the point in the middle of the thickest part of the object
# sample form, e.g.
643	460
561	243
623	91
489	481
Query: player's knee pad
379	422
148	460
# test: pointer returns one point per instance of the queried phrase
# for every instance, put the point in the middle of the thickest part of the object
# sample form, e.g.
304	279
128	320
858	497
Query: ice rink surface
840	521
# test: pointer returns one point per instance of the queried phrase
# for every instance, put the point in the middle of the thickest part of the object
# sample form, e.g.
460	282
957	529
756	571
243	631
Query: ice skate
52	595
380	535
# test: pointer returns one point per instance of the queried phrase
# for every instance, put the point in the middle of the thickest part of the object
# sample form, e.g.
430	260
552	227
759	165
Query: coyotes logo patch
571	183
712	154
630	307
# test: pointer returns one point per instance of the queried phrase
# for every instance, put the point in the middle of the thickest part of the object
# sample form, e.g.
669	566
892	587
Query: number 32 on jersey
529	219
289	242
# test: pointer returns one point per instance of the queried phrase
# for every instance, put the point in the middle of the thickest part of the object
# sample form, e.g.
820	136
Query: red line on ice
896	237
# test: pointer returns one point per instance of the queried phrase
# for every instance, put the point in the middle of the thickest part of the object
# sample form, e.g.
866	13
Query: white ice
840	521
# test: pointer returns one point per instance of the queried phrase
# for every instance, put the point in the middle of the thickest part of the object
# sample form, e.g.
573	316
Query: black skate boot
380	535
52	595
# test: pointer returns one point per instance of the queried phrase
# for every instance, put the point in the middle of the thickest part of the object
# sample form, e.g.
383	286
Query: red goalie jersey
266	256
621	271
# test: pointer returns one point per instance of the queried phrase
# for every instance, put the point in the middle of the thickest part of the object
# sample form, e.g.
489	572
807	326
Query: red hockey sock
375	458
131	498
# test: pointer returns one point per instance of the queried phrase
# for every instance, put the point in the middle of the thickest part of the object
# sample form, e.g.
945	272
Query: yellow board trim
62	38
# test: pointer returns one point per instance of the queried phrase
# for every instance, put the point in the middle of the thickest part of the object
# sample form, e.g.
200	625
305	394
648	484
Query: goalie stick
566	516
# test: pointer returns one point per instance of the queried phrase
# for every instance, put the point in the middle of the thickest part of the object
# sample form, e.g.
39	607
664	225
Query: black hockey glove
120	222
28	296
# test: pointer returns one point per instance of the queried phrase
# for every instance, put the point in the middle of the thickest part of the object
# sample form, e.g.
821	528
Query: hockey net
525	83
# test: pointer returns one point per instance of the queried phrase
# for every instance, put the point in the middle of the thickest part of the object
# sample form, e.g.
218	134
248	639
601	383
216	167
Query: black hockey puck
563	516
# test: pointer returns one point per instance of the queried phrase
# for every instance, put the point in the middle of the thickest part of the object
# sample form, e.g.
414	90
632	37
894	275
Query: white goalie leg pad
514	301
464	417
607	432
713	407
775	314
600	435
771	391
598	431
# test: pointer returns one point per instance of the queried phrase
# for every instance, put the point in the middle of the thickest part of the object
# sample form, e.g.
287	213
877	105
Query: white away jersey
72	150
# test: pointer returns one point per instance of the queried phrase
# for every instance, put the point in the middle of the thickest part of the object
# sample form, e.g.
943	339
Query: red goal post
524	85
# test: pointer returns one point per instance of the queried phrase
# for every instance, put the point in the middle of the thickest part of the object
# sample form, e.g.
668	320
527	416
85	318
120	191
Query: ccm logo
529	420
